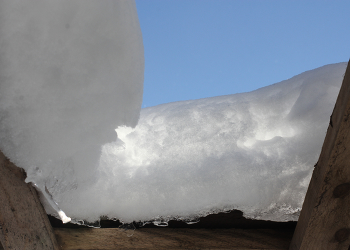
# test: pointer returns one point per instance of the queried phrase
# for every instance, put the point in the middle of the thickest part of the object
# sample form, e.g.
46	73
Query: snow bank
253	151
70	73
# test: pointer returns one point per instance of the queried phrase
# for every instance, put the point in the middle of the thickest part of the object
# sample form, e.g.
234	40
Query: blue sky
202	48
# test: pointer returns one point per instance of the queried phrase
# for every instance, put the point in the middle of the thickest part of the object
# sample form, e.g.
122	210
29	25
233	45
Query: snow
71	72
252	151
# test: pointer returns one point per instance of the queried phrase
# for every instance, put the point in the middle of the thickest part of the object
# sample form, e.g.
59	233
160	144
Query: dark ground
232	219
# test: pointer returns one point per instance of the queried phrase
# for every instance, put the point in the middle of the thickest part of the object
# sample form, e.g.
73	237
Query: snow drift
253	151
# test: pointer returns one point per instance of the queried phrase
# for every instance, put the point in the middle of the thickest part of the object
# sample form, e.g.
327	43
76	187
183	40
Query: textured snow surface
253	151
70	73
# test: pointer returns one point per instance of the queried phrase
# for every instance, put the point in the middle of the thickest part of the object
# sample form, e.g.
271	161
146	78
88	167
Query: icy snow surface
253	151
70	73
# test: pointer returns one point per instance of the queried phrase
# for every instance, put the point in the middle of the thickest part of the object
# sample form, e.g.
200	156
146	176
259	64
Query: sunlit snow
253	151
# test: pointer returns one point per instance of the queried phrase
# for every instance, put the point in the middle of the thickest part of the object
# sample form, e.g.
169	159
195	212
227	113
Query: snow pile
70	73
253	151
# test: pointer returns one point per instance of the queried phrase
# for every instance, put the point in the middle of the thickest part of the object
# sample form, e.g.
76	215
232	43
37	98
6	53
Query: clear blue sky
201	48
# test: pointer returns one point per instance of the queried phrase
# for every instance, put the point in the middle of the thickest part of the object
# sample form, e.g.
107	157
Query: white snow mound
253	151
70	73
